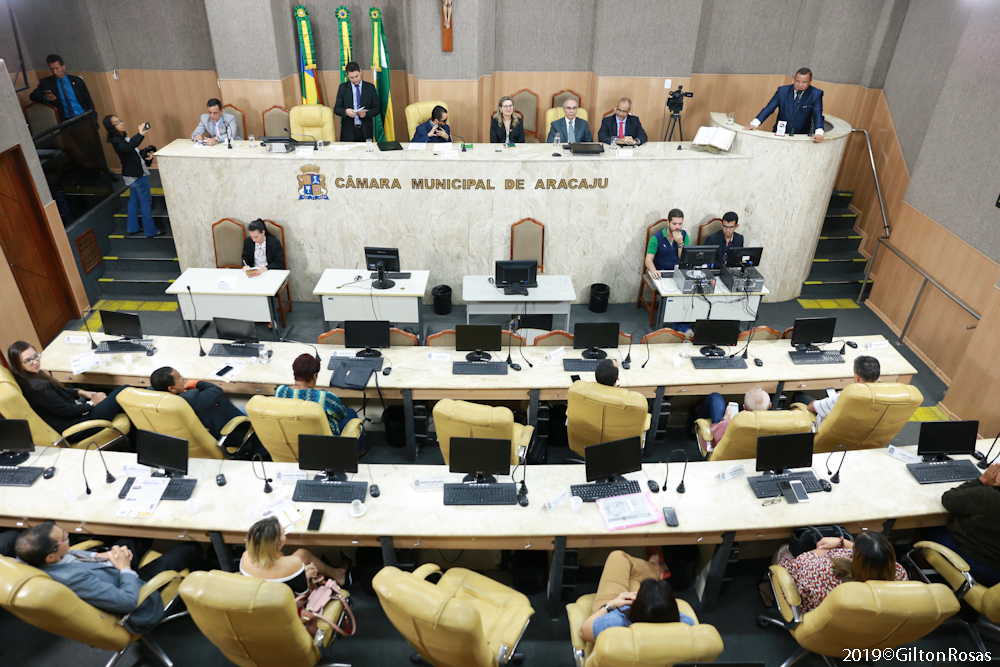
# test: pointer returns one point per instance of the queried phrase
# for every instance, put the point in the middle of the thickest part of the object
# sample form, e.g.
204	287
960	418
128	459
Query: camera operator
622	128
135	170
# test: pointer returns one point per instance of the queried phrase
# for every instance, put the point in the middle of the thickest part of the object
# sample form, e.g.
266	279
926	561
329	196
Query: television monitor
366	334
590	336
241	331
777	453
388	256
125	325
334	455
477	339
15	442
696	256
607	461
162	451
513	272
810	330
712	333
737	257
479	458
938	439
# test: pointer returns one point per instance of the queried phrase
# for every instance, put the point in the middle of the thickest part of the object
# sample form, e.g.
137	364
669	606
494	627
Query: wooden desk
344	298
553	296
198	293
725	305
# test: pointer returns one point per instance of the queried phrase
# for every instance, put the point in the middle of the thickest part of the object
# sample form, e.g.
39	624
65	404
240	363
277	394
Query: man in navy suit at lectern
799	105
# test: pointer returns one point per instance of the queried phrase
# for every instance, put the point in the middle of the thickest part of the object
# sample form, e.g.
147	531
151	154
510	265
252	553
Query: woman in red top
835	561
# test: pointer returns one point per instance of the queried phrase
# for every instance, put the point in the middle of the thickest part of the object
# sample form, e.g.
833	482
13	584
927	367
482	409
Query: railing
878	188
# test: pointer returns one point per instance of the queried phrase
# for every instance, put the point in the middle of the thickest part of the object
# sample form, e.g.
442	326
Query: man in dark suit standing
67	93
799	105
357	104
621	128
726	238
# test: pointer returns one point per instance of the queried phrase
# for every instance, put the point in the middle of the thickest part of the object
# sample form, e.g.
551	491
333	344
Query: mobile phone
224	370
315	519
732	409
146	126
574	378
670	516
786	490
831	392
800	491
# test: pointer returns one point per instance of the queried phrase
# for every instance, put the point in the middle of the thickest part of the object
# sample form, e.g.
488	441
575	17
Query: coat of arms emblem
312	184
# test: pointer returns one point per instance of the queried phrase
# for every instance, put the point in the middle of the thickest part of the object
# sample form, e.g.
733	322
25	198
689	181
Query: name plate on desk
902	455
556	353
779	130
428	483
304	151
878	345
438	356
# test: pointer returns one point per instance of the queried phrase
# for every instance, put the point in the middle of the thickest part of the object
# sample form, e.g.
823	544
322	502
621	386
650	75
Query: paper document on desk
621	512
416	146
81	363
143	497
235	366
285	511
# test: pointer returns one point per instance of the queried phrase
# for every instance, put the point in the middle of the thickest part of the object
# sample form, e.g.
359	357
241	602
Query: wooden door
29	249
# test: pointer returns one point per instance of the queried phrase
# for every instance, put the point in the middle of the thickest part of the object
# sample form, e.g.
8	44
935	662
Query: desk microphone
680	487
835	478
510	361
93	345
110	479
293	134
463	141
985	462
315	351
229	137
267	480
197	330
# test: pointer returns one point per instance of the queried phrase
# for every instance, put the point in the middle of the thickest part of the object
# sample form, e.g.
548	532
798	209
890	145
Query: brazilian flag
384	127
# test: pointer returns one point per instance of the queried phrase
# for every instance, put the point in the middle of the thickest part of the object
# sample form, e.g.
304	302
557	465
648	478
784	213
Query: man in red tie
622	128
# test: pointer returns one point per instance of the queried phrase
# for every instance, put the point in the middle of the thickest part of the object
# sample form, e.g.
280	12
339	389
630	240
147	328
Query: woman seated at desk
261	251
506	128
59	407
263	559
306	370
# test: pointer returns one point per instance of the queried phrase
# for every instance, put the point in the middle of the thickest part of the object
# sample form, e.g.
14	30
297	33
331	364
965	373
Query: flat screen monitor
15	442
695	256
713	333
477	339
479	458
366	334
162	451
125	325
334	455
517	272
938	439
743	257
607	460
810	330
590	336
388	256
241	331
783	452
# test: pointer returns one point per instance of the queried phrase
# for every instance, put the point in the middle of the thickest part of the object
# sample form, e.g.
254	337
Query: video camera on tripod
675	99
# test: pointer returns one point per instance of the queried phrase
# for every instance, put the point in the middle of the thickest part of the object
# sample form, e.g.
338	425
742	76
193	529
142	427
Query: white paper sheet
237	365
81	363
143	497
416	146
287	513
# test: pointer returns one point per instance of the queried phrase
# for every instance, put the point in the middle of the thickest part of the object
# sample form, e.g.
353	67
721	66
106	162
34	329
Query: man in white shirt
866	371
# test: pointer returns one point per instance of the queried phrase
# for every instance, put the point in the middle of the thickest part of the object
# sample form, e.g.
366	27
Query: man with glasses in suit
571	129
622	128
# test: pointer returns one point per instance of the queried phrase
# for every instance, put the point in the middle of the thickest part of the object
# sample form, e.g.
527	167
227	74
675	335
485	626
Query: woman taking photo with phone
135	171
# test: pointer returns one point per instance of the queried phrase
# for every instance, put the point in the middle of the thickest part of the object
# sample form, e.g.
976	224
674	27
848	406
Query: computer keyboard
821	357
19	476
123	346
312	491
580	365
480	494
719	363
374	363
478	368
393	276
230	350
515	290
938	472
766	486
177	489
593	492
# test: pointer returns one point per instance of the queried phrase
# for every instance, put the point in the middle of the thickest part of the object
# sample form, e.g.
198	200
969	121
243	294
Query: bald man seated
714	408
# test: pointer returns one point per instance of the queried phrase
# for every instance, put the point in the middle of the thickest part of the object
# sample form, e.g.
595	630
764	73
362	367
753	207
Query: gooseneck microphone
197	331
86	324
835	477
315	351
453	135
109	478
267	480
985	462
680	487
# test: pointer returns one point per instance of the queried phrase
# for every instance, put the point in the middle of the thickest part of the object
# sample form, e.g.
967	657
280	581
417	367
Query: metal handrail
878	188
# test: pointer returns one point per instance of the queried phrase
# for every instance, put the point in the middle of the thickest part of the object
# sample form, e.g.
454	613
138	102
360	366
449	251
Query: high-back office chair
527	241
555	113
40	117
446	338
465	620
400	338
419	113
461	419
740	440
644	280
555	339
526	102
278	423
787	333
664	335
312	120
240	117
706	229
255	622
624	338
597	413
560	98
858	615
275	121
642	644
168	414
13	405
762	332
228	237
284	296
867	416
332	337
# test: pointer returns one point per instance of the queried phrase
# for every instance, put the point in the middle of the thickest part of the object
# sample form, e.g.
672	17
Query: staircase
838	266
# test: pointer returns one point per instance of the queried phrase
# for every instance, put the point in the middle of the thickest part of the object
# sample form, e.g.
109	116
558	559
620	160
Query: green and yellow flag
384	127
307	56
344	36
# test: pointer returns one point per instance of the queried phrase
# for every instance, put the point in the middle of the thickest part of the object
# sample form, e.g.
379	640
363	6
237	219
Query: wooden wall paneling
400	98
67	259
976	383
16	323
938	332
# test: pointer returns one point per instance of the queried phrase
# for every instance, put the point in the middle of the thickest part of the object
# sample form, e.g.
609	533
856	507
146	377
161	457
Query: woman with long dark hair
135	171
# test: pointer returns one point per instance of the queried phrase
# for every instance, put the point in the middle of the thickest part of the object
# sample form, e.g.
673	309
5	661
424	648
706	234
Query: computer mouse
357	277
49	472
758	362
150	351
374	491
386	370
851	343
826	485
516	367
522	500
220	479
653	486
553	155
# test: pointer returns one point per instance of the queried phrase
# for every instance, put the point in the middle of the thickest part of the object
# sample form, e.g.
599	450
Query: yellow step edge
814	259
109	258
116	236
813	282
105	280
152	191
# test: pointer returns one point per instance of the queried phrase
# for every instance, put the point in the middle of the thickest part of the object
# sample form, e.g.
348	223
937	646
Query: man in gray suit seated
571	129
105	580
215	124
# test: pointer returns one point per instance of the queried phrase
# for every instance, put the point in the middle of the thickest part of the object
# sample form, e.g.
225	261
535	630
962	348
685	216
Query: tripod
675	122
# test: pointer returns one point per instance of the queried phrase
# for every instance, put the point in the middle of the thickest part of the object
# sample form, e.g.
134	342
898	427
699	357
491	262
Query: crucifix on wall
446	25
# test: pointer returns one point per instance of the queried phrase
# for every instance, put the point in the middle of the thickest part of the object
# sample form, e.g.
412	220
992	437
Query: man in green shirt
664	249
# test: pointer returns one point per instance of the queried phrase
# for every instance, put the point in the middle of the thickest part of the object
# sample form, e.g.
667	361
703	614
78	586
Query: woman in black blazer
274	255
136	174
506	127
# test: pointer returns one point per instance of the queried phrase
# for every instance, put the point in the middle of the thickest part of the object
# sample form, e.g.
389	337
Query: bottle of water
555	141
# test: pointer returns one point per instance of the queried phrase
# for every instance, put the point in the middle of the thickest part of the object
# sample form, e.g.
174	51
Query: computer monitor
241	331
589	336
737	257
477	339
366	334
517	272
382	260
334	455
16	442
162	451
696	256
938	439
479	458
777	453
810	330
608	461
712	333
125	325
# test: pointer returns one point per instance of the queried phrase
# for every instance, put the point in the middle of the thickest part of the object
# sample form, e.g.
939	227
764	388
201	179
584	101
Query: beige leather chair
560	98
465	620
597	413
332	337
527	241
285	304
858	615
526	102
278	422
664	335
555	339
167	414
740	440
445	338
461	419
400	338
312	120
706	229
40	117
240	117
624	338
419	113
644	281
275	121
760	333
554	114
228	237
13	405
255	622
642	644
787	333
867	416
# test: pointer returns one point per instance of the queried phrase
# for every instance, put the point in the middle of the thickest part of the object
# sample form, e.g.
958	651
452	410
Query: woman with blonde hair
263	559
506	127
